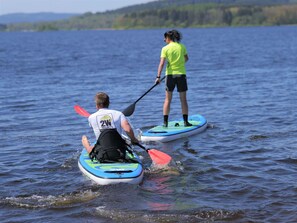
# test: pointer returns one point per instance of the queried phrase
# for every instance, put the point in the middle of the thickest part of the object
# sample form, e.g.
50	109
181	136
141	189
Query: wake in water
50	201
173	168
169	216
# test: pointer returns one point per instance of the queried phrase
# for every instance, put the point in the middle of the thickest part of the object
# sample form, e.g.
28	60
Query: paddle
130	109
157	156
79	110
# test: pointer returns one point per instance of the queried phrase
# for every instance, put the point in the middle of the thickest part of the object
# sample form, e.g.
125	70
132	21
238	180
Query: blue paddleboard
111	173
175	130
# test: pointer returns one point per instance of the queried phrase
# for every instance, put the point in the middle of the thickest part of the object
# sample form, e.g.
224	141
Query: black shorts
180	81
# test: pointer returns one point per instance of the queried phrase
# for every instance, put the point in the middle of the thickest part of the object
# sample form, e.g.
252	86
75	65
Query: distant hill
34	17
174	3
174	13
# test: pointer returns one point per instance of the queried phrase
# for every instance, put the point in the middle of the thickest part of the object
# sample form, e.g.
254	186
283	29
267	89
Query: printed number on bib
105	121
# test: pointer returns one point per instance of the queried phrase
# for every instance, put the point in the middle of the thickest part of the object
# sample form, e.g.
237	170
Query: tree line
189	15
210	15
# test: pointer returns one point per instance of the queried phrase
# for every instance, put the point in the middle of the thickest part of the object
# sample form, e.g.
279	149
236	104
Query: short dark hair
173	35
102	99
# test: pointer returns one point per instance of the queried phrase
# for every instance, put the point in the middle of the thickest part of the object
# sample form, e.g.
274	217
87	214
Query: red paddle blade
159	157
79	110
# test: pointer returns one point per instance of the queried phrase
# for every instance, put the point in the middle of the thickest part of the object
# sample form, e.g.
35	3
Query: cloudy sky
68	6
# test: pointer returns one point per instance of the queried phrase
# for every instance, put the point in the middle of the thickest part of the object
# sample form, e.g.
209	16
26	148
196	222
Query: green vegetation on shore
206	15
181	14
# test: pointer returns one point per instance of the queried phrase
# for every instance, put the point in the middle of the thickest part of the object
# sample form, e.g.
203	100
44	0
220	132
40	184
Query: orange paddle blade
159	157
79	110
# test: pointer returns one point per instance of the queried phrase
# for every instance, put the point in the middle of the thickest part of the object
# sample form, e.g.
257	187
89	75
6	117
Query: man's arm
127	128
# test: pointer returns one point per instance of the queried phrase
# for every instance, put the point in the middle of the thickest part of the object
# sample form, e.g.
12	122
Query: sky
64	6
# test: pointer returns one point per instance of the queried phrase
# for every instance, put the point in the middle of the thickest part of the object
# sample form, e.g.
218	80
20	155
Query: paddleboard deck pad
175	130
111	173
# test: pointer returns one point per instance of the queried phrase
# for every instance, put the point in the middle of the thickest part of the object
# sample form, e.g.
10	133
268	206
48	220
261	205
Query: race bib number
105	122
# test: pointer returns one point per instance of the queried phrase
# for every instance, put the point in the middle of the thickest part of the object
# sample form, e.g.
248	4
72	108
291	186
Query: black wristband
158	77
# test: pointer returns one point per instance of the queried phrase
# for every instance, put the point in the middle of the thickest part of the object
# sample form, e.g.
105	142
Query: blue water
243	168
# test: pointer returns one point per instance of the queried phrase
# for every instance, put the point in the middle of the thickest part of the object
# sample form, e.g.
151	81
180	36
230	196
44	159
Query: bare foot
86	144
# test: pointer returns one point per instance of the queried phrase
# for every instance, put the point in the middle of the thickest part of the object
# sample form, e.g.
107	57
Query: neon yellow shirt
175	55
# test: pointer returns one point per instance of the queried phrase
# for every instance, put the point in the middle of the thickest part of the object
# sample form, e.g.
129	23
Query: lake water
243	168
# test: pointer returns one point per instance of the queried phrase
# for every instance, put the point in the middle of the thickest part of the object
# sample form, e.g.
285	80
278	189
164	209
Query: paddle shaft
141	146
148	90
130	109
